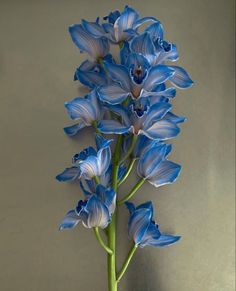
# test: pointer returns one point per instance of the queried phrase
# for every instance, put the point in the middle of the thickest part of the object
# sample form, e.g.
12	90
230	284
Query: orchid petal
103	160
98	214
150	160
89	167
94	28
124	22
158	74
74	129
143	45
174	118
95	47
156	112
151	236
112	94
155	30
138	224
80	108
180	78
165	240
70	220
162	130
118	73
112	126
165	173
69	174
107	196
143	20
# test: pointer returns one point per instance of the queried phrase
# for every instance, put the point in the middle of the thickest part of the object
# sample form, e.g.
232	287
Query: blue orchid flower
143	230
95	211
105	180
152	121
156	50
92	74
89	163
120	26
143	144
96	47
86	110
152	45
155	168
135	79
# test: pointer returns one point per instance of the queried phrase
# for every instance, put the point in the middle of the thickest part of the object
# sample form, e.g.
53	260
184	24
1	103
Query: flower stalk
101	242
111	230
126	262
132	192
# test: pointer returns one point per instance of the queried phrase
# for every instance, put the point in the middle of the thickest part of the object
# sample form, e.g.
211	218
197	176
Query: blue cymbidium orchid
97	48
91	74
151	121
121	26
89	163
155	168
95	211
136	78
130	97
143	230
87	111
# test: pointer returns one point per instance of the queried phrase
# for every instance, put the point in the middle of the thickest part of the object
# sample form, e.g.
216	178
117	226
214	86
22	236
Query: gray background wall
37	62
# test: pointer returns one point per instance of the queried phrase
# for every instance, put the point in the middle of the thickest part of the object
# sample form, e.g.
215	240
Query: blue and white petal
174	118
155	30
181	78
95	47
89	167
143	45
112	94
118	73
152	235
138	224
143	20
91	77
103	160
112	127
70	220
93	28
156	112
108	197
161	130
158	74
165	173
165	240
69	174
80	108
124	22
74	129
150	160
171	55
98	214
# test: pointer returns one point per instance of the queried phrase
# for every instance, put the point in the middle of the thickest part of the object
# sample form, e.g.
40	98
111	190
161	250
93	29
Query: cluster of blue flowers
128	99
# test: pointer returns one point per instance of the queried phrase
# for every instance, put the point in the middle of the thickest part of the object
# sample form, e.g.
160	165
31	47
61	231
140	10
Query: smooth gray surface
37	62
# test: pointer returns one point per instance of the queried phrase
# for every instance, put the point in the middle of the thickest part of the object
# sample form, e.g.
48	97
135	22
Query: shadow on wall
147	278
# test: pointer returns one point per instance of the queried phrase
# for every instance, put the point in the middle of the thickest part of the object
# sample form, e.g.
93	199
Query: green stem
100	240
130	150
97	180
126	263
132	192
111	230
129	169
